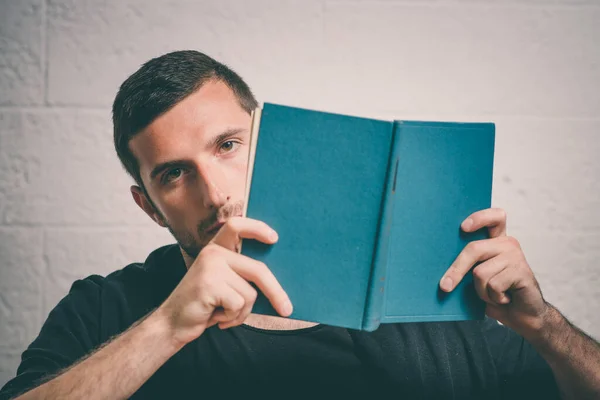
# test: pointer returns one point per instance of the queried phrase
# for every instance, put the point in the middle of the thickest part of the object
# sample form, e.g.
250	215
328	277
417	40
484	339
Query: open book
368	213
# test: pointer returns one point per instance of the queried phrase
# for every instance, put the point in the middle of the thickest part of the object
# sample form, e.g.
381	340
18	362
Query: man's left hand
504	279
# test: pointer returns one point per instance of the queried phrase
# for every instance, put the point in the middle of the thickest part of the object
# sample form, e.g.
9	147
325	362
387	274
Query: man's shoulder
129	293
135	275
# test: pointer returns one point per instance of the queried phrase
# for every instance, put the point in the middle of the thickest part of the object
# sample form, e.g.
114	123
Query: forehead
189	125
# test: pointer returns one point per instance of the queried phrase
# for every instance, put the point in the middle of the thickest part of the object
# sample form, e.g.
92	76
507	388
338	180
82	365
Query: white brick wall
533	67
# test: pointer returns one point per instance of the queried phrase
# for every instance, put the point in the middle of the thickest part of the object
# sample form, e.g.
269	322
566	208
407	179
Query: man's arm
573	356
215	290
118	368
504	280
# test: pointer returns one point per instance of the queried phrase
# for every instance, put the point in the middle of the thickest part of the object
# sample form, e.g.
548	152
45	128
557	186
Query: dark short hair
157	87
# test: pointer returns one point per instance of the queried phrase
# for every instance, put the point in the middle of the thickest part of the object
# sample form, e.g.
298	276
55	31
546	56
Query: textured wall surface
530	66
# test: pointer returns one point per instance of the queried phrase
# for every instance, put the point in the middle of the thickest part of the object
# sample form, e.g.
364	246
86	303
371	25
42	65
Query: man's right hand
216	288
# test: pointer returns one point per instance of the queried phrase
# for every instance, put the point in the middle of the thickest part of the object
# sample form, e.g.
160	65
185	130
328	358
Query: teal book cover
368	213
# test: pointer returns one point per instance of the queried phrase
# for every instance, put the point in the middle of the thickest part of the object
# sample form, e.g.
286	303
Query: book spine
375	294
255	128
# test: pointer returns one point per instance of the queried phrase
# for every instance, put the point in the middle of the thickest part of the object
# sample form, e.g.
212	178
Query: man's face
193	162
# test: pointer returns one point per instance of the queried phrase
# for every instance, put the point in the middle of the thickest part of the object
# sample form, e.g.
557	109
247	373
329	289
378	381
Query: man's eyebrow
212	143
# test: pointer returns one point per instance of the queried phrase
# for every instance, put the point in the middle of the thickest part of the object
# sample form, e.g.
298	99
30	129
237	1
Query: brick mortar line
470	3
74	227
374	115
54	108
45	51
46	266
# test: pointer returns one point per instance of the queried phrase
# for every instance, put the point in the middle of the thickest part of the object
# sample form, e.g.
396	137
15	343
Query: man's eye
228	146
172	174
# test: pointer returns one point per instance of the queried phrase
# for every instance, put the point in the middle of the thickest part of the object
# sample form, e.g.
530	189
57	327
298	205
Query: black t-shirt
449	360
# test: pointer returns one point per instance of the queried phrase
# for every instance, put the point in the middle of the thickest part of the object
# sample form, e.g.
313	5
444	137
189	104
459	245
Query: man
180	325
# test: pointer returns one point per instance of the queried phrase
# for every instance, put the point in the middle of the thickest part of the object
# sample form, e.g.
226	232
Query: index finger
492	218
257	272
237	228
476	251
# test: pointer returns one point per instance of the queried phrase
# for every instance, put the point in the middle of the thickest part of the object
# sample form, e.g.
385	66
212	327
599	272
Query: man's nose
212	195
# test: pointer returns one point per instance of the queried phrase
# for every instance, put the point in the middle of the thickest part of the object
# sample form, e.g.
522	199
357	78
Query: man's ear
142	201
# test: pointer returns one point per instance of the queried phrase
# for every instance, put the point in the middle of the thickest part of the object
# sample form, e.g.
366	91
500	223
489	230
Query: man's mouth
214	228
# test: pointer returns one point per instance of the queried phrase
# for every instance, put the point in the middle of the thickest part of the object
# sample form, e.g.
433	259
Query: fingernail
446	284
287	308
273	236
467	224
